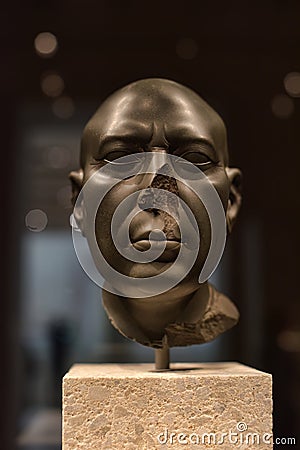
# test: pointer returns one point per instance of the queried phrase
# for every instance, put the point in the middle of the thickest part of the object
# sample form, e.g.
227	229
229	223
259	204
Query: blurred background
60	59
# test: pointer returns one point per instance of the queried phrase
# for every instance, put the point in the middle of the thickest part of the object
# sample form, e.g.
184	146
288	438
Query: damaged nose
151	199
156	199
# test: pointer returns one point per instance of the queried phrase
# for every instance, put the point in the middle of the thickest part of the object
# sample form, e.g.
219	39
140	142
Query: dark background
236	55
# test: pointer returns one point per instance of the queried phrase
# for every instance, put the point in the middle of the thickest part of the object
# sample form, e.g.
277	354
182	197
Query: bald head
156	113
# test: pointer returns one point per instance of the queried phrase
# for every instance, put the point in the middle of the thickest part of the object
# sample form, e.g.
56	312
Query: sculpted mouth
144	244
154	238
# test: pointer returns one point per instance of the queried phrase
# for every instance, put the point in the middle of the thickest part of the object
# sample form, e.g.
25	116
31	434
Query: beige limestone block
192	406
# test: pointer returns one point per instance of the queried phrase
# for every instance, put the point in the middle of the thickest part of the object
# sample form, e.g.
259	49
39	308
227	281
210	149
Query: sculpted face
156	115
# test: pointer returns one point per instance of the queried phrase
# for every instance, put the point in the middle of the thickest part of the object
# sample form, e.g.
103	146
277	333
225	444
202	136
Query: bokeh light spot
45	44
282	106
36	220
292	84
52	84
289	340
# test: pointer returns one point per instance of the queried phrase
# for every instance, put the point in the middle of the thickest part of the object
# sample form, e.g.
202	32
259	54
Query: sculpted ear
76	178
235	196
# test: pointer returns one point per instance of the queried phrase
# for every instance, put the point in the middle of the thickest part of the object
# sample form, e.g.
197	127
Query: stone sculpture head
162	117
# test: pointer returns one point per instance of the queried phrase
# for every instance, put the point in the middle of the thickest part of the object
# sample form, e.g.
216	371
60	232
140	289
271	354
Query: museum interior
60	60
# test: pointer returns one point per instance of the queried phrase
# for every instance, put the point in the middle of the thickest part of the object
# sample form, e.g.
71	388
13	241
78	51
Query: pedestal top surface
221	369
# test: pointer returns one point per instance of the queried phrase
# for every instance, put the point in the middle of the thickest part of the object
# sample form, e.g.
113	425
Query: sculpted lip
170	253
157	235
144	244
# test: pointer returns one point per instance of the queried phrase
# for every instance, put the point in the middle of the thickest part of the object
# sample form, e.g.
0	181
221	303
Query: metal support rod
162	358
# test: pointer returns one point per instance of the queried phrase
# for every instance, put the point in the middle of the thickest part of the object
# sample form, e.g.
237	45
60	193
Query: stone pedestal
130	406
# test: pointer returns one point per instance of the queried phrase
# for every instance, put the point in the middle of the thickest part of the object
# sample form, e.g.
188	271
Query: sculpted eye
197	158
123	164
188	164
113	156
